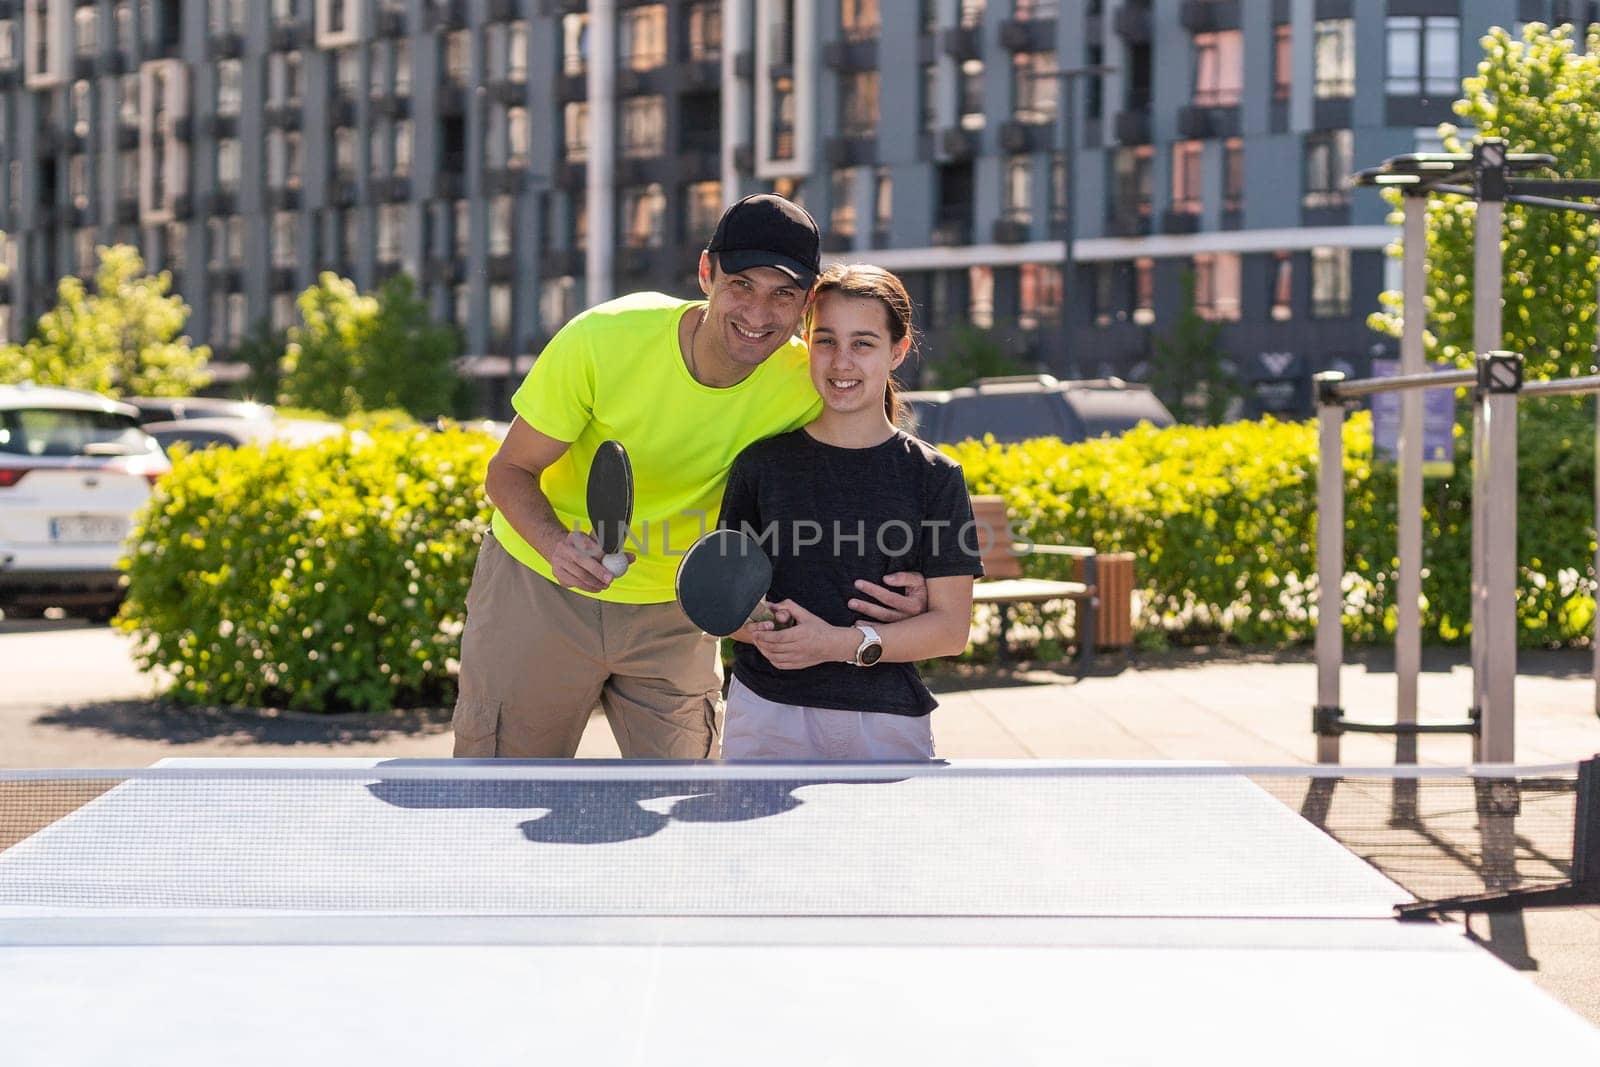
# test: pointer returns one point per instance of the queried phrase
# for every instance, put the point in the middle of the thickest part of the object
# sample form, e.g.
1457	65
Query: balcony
112	64
962	42
126	211
956	143
445	270
1131	219
219	126
84	65
342	110
1133	22
342	191
952	231
452	99
1198	123
392	190
228	278
389	23
1010	231
837	241
283	116
290	36
851	151
504	181
508	92
1018	137
1028	35
1133	126
281	280
447	15
1180	220
562	262
572	176
227	45
127	137
283	198
504	10
1209	16
851	55
390	106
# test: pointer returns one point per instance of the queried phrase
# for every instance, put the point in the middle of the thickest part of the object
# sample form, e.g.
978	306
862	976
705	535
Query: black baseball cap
766	230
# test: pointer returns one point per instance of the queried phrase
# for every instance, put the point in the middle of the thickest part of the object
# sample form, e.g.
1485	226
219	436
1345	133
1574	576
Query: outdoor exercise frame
1486	174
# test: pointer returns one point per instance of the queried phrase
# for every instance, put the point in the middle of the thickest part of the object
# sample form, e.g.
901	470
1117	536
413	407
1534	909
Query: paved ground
70	697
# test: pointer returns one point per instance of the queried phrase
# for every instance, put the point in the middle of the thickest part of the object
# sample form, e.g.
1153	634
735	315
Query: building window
1058	189
1282	61
228	86
980	297
842	220
1216	286
402	148
285	240
502	224
1040	291
859	19
283	312
517	51
1035	9
1328	166
1233	175
1131	183
402	68
644	37
702	203
500	314
1033	88
177	245
705	31
457	56
558	302
1330	283
1424	55
574	44
882	204
1106	309
291	159
928	100
575	137
1218	68
1334	62
1018	190
1282	287
858	104
783	118
1186	184
83	30
80	108
460	227
644	127
228	165
644	210
517	137
347	71
344	153
972	115
1144	291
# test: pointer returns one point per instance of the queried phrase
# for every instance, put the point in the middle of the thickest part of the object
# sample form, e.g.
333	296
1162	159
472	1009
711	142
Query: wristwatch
870	650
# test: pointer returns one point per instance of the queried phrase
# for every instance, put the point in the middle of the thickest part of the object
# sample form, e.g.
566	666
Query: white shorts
758	728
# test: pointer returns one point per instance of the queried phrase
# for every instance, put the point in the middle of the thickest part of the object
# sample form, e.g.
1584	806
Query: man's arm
512	485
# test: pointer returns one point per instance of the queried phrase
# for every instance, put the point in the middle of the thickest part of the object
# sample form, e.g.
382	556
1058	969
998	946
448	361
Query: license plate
88	529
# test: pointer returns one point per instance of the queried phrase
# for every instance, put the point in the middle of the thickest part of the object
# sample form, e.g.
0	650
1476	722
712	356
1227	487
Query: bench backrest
995	538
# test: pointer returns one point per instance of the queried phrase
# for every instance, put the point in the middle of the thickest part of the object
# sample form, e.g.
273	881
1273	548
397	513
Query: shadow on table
590	811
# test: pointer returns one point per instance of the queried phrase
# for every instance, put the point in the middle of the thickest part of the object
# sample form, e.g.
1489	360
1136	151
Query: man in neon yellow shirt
685	386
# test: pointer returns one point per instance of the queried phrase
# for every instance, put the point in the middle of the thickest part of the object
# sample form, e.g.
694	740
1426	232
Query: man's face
752	313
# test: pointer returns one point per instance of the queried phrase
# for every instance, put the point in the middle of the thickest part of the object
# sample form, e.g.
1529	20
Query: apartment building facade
524	158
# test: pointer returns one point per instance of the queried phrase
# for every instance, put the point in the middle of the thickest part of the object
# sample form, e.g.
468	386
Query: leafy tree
973	353
1538	93
261	349
1189	371
125	337
360	352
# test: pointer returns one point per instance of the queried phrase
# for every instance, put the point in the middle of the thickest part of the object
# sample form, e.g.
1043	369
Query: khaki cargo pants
537	658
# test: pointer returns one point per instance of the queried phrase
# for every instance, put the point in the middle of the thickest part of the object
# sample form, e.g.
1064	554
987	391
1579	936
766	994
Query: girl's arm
942	630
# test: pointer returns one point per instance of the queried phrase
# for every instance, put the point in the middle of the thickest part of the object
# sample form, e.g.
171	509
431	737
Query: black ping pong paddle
610	501
723	581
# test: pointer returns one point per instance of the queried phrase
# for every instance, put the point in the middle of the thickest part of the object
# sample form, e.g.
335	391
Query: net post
1488	282
1408	586
1499	383
1330	563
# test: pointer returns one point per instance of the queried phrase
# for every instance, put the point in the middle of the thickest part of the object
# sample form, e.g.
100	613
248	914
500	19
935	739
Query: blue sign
1438	422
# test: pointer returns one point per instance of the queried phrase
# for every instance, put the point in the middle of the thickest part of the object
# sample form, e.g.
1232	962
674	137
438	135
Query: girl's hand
807	642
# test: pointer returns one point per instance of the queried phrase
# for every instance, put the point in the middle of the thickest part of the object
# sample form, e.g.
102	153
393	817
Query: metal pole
1330	559
1496	473
1069	157
602	151
1408	585
1595	643
1487	283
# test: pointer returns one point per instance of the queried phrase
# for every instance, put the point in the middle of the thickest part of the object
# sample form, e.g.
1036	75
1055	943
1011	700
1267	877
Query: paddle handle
763	613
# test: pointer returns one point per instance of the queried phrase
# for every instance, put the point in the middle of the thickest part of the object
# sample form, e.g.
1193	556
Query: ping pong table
358	911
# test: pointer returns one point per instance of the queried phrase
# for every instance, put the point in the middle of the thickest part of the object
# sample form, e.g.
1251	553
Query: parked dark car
1036	405
172	408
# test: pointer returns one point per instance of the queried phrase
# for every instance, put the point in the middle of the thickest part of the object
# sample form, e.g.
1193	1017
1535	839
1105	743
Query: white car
74	470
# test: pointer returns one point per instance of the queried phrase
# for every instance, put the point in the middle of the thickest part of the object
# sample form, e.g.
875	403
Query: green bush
1222	522
325	578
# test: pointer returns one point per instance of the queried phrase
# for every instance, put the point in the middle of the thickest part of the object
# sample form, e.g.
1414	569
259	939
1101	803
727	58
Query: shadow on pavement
153	721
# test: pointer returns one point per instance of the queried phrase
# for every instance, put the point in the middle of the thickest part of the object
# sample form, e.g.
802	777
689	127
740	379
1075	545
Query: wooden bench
1102	592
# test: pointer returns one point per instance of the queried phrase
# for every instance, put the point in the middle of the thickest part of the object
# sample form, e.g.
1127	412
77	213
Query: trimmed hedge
334	577
331	577
1222	521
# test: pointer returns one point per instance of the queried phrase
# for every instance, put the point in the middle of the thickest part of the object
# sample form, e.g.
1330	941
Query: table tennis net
453	838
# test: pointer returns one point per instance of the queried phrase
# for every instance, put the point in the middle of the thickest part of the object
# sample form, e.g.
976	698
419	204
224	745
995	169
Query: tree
1190	372
261	349
1538	93
360	352
973	353
124	338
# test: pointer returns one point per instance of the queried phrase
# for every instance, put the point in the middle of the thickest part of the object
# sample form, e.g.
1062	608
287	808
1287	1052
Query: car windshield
67	432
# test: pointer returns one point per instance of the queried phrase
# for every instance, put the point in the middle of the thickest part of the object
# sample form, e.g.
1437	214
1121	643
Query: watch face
871	654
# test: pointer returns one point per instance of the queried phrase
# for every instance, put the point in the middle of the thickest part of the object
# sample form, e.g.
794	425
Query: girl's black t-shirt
828	516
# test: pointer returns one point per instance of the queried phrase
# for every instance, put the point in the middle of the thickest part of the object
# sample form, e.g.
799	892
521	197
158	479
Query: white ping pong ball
616	563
